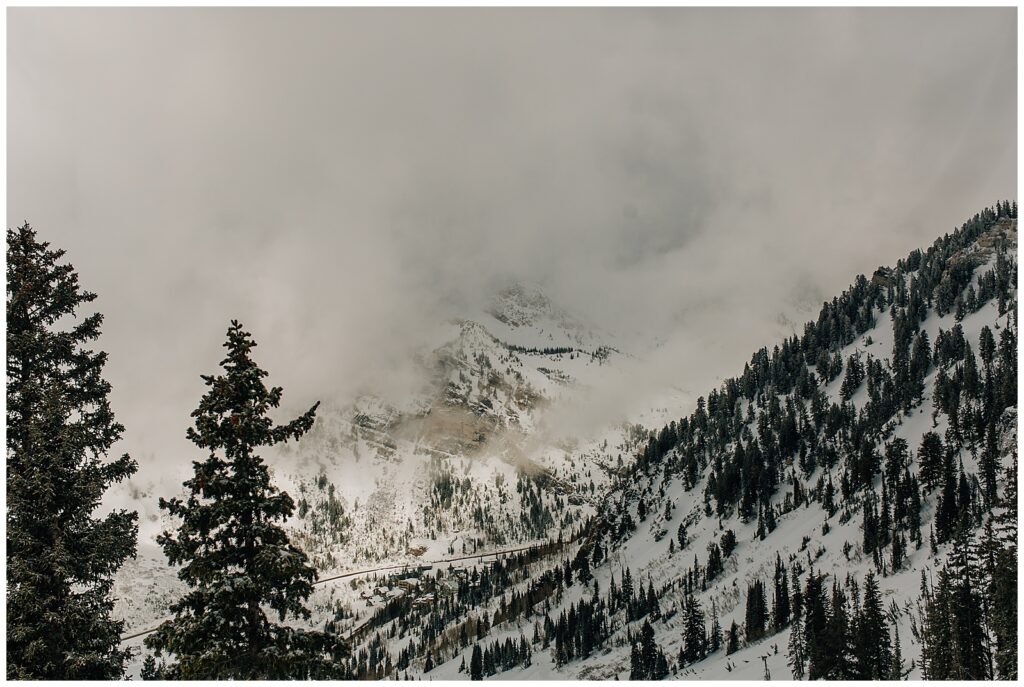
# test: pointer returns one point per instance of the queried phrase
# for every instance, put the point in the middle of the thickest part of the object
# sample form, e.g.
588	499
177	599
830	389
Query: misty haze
501	343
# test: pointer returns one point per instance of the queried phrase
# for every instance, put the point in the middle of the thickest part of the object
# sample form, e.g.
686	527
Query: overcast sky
338	178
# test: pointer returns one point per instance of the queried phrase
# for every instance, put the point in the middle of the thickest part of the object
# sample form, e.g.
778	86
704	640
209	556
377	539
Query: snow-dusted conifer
235	558
60	558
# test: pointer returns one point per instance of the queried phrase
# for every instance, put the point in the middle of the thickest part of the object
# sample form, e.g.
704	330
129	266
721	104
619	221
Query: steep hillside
826	513
868	465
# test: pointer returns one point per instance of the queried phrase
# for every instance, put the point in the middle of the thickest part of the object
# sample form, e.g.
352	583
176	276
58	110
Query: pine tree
1003	583
476	664
815	621
60	558
236	560
780	605
756	611
694	637
989	465
853	378
149	670
715	636
837	637
896	667
636	667
929	460
660	667
797	650
872	653
732	643
647	661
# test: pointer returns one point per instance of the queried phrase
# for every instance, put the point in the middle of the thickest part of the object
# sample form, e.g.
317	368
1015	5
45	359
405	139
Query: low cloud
340	179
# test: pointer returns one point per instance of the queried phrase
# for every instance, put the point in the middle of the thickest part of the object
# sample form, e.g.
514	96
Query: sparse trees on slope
60	558
236	559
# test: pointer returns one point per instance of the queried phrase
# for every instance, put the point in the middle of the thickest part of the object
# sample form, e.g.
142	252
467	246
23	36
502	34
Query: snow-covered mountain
465	462
668	521
458	519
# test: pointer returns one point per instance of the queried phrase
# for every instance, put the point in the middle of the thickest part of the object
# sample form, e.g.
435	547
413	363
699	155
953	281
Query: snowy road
357	573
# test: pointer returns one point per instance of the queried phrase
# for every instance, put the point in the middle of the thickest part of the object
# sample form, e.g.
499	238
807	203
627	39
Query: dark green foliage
781	602
954	645
714	566
234	556
695	640
744	466
732	639
647	660
872	651
929	460
476	664
1002	584
853	379
715	634
756	611
60	558
728	543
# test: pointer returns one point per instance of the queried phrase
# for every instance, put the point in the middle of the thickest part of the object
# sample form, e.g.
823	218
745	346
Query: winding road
356	573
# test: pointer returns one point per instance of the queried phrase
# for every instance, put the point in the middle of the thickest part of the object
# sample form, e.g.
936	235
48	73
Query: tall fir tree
797	650
1003	581
694	634
60	427
235	558
756	615
476	664
872	650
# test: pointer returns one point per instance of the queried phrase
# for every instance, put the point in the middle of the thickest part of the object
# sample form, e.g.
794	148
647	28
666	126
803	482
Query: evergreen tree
236	560
837	637
647	661
60	558
819	658
681	535
929	460
797	651
896	666
476	664
1003	581
780	605
636	667
756	611
872	651
715	636
149	670
989	465
694	637
854	377
732	643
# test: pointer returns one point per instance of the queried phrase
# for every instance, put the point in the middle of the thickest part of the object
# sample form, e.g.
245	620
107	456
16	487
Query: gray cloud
337	178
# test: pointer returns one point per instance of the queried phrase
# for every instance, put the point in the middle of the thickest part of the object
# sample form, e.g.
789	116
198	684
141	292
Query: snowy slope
476	461
464	463
832	545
